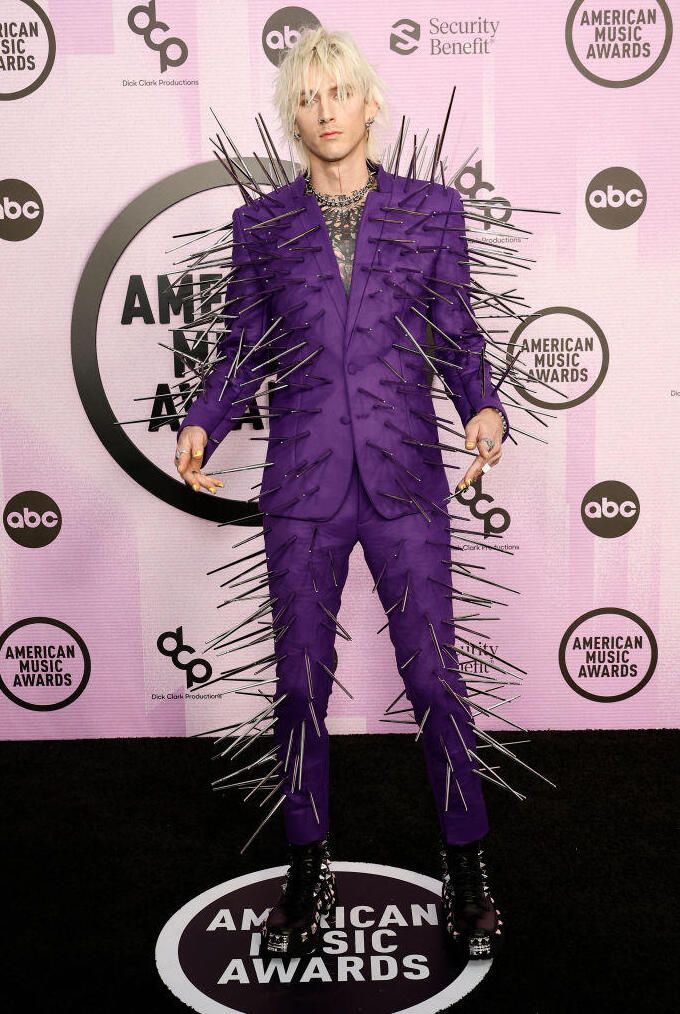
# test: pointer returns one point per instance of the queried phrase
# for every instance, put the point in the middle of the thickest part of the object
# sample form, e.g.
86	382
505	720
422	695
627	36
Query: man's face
329	127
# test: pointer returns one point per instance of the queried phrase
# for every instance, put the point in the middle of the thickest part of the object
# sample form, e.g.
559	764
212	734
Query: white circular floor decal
387	952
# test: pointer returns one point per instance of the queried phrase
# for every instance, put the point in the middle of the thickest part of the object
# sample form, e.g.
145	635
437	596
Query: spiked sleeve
461	348
225	383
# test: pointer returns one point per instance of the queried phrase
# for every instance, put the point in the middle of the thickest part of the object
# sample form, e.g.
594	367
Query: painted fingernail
469	443
212	489
196	487
197	454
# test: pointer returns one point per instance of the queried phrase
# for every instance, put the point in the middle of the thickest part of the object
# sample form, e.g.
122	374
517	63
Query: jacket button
344	419
351	367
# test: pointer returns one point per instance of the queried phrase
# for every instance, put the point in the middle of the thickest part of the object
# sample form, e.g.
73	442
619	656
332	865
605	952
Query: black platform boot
292	927
471	918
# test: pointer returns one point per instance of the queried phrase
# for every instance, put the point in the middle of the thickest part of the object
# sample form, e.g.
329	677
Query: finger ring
178	454
488	441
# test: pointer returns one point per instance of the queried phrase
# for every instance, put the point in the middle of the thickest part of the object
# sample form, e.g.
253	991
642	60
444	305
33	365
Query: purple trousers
307	564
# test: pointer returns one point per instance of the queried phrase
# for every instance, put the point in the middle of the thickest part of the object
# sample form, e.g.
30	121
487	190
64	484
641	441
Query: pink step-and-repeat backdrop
113	572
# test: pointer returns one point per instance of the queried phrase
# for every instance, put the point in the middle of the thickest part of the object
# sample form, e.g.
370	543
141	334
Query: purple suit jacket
349	379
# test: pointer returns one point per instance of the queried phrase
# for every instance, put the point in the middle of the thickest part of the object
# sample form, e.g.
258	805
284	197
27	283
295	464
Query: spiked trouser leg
307	564
409	560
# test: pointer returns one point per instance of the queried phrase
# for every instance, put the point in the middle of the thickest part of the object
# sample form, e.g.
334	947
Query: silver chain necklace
331	201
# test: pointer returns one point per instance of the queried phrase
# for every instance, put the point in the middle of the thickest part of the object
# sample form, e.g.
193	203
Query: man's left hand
488	423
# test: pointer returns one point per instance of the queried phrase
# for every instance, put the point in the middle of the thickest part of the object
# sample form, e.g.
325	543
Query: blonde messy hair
301	70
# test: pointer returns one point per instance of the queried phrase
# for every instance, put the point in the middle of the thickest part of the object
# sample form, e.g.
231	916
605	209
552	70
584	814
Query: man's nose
325	114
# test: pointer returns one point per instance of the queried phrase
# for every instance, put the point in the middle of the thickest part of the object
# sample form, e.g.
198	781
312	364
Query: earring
296	135
369	122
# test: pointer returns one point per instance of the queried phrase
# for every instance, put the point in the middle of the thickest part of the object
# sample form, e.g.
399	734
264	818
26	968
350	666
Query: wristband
505	425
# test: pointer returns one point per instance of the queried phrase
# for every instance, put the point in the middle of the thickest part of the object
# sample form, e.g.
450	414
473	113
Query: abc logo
21	210
283	30
610	509
32	519
616	198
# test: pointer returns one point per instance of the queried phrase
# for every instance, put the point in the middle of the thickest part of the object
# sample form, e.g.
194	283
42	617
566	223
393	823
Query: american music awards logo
387	951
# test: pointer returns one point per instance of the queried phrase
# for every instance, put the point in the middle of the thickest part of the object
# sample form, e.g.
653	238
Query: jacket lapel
368	233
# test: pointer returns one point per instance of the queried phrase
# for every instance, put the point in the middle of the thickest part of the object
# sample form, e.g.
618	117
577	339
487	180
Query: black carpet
104	839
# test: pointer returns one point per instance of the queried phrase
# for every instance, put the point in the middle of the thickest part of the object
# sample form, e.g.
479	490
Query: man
337	276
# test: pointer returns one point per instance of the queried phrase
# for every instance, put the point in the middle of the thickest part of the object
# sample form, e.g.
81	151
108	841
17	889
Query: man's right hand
192	441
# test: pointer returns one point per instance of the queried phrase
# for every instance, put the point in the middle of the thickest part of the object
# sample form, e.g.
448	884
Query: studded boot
472	920
309	893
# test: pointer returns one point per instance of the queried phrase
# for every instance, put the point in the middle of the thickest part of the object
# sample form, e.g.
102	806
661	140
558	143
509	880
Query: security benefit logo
137	329
383	949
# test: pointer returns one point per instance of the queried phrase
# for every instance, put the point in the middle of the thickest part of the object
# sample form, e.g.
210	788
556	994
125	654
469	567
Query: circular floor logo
608	655
386	953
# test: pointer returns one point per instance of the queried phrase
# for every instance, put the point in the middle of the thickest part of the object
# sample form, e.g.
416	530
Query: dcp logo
148	24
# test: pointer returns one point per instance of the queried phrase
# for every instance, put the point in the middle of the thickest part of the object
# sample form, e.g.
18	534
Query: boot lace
300	879
468	878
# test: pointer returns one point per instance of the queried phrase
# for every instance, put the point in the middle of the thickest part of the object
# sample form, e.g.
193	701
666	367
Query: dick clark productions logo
387	951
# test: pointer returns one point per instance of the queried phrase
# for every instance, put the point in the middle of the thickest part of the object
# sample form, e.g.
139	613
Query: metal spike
314	718
422	724
334	678
311	797
436	642
340	628
260	826
409	660
302	752
309	676
495	777
509	753
290	743
256	787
